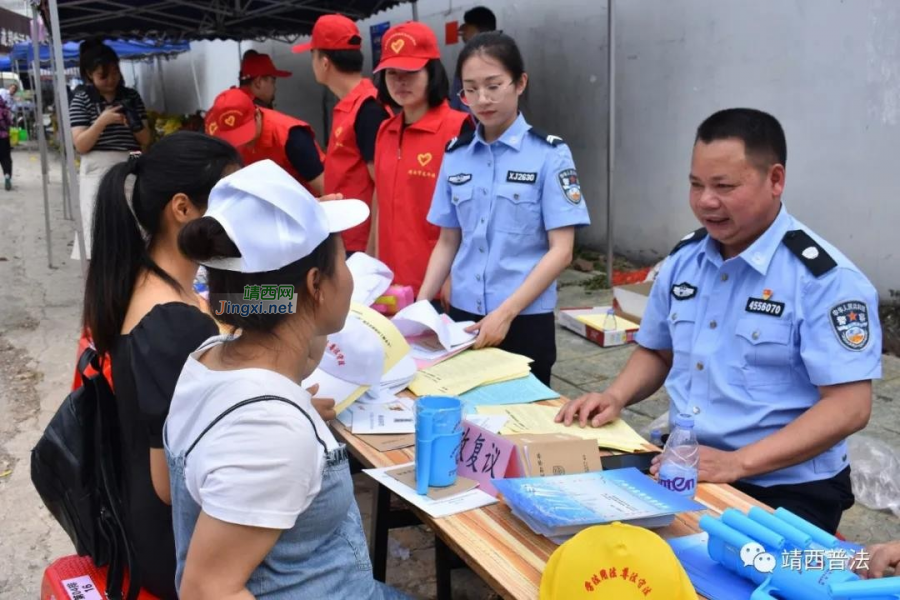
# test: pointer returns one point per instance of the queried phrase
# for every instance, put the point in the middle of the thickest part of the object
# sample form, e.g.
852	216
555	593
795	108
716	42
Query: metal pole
65	127
611	136
66	198
415	9
196	83
162	83
39	128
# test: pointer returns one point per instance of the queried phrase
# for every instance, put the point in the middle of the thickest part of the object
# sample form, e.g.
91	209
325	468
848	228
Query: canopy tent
201	20
23	52
170	20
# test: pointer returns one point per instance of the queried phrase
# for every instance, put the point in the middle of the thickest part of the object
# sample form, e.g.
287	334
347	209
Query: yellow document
596	321
535	418
468	370
395	345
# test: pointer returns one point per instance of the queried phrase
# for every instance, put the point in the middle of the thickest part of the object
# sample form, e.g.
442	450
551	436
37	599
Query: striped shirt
84	111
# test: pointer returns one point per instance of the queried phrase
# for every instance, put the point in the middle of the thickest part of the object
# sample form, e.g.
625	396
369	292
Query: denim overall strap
242	403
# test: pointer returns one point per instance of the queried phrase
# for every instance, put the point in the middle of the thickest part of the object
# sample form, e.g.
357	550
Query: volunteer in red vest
260	133
410	148
258	77
337	63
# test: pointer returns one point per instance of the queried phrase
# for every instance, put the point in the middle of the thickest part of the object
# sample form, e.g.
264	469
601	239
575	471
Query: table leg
443	558
380	523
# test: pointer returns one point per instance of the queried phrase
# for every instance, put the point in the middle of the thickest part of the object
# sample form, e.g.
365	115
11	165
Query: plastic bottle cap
684	420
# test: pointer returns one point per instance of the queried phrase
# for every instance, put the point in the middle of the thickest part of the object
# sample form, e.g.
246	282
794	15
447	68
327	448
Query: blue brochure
560	506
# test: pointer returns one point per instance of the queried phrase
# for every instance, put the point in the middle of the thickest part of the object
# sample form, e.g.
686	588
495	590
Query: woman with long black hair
140	308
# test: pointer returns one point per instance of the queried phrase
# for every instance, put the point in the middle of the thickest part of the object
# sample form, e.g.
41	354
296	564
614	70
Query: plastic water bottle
609	323
680	457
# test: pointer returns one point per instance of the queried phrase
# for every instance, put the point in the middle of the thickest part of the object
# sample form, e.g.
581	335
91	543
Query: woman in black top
140	307
108	121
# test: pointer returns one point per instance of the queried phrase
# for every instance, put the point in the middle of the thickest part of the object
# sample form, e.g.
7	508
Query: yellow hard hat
616	561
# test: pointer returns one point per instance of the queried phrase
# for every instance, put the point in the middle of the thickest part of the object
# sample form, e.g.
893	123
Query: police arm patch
568	181
850	322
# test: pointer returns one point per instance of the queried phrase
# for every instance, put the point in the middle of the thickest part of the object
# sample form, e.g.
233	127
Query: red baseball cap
232	117
332	32
408	47
260	65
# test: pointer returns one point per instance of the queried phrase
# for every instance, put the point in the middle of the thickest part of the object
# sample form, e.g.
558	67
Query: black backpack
74	469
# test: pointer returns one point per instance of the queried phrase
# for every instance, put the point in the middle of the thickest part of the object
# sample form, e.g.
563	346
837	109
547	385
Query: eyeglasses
491	92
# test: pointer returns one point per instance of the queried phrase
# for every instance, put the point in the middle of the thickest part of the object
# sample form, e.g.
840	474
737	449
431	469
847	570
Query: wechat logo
754	555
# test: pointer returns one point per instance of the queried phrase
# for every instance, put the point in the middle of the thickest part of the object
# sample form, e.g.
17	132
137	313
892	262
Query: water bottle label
681	481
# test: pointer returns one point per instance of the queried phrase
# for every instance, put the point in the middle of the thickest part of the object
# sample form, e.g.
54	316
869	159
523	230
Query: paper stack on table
558	507
535	418
432	337
391	418
468	370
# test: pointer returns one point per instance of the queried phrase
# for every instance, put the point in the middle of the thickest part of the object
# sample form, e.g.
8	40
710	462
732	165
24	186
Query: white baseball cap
353	362
273	220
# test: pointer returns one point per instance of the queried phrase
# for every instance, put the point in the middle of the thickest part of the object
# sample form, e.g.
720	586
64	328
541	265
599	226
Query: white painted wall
828	69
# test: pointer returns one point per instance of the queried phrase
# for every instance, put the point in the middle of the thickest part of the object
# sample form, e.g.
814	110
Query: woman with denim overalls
262	500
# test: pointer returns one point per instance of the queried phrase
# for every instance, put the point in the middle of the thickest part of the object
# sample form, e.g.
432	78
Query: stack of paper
534	418
561	506
392	383
432	337
469	370
390	418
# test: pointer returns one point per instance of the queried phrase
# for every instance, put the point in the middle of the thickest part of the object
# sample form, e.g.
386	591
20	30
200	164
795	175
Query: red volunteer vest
407	164
345	170
274	135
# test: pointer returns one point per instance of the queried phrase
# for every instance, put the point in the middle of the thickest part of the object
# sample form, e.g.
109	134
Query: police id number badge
850	321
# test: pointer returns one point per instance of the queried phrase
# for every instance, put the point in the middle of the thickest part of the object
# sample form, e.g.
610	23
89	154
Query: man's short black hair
438	85
481	17
763	137
345	61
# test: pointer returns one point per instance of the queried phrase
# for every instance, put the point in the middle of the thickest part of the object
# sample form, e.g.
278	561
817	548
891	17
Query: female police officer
507	201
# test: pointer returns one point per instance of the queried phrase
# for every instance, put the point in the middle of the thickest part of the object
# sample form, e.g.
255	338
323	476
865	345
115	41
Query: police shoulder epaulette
460	141
810	253
694	236
553	140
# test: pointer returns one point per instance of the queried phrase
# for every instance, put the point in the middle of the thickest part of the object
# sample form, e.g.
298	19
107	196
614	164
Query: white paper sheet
436	508
420	319
493	423
383	420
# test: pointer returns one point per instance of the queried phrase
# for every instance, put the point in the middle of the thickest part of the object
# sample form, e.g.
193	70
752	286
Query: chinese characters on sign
484	456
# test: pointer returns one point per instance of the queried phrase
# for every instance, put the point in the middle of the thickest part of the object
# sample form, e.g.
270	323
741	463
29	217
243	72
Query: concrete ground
39	315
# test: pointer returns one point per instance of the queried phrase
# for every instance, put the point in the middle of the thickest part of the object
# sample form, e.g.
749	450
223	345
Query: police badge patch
850	321
460	178
683	291
568	181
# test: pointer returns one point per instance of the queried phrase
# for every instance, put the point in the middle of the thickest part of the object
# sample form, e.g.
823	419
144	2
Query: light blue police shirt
754	336
505	196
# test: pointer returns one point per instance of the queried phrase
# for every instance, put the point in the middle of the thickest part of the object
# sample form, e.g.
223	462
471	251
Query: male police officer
760	329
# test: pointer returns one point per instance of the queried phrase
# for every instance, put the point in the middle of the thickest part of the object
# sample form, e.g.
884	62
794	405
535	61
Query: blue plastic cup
438	436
